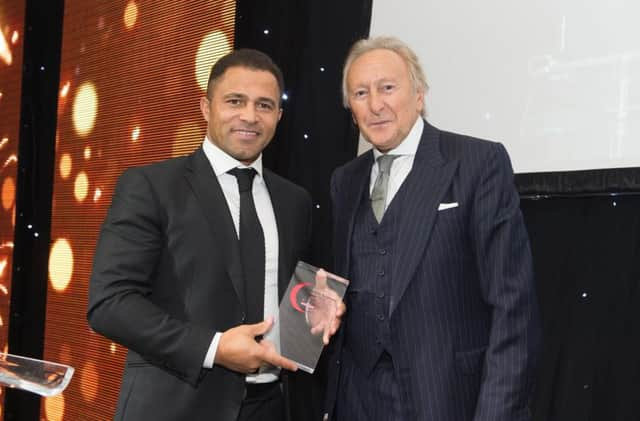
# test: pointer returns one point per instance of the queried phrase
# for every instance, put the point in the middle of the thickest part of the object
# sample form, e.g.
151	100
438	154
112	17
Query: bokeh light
60	264
97	194
135	133
8	193
89	380
130	14
65	354
65	166
85	109
65	89
5	51
211	49
54	408
87	152
12	158
81	186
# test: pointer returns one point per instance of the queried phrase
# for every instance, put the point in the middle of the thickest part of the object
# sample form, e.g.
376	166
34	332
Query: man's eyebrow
374	82
234	95
244	96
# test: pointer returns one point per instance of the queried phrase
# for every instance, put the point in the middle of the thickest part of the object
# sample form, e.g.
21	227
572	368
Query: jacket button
337	362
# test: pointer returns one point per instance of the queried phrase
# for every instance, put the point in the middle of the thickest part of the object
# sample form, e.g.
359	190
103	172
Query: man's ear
420	101
205	108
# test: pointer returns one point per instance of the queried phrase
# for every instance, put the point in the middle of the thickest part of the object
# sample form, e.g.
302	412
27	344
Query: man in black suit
194	256
442	322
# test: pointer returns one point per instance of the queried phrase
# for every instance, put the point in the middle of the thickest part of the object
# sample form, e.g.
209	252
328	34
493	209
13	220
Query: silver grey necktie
379	192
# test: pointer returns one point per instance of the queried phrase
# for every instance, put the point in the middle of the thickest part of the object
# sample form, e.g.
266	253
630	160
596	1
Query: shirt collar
409	145
223	162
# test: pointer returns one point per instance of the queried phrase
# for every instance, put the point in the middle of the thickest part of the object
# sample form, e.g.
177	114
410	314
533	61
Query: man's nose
376	102
249	114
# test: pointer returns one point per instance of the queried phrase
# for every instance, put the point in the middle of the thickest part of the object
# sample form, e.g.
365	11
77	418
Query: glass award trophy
38	376
307	309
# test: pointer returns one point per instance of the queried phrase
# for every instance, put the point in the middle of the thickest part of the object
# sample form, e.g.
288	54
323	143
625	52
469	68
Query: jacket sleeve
130	247
504	263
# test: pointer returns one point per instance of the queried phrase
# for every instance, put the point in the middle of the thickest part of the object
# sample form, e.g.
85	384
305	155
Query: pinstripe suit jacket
463	312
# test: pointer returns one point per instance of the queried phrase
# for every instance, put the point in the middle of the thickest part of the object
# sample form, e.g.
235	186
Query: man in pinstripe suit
442	322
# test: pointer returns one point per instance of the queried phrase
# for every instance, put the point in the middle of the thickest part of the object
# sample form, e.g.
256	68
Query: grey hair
385	43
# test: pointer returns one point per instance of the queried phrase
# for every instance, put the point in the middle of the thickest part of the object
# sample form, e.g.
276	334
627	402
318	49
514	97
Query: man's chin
245	158
383	145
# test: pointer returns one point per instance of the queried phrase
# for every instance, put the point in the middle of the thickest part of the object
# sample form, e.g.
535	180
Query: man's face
383	100
243	112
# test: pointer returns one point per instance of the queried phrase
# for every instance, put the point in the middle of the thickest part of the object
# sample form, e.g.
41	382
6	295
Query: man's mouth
246	132
378	123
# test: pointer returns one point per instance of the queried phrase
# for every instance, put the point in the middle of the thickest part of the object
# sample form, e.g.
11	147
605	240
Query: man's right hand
239	351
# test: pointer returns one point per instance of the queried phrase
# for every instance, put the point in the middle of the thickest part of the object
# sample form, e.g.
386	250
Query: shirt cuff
210	358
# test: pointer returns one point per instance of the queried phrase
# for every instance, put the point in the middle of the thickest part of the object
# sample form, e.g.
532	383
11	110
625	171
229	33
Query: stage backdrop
131	76
11	36
558	81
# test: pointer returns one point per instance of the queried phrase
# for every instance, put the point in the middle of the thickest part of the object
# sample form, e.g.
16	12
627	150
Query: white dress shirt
221	162
402	165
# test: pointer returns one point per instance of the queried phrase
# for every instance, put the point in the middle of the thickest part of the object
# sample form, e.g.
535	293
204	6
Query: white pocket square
443	206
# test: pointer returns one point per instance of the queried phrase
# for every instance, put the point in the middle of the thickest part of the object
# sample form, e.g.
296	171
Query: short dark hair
245	57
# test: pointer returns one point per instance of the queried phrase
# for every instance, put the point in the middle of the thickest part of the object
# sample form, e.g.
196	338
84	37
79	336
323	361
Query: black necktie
251	246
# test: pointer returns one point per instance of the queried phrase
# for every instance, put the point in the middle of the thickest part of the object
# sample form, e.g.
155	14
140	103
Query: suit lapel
422	191
283	215
207	190
356	180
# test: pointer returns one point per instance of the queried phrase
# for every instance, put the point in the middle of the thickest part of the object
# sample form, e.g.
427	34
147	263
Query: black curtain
587	262
39	102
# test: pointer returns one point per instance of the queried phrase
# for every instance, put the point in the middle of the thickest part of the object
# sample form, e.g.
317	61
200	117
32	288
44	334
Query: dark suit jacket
463	312
167	276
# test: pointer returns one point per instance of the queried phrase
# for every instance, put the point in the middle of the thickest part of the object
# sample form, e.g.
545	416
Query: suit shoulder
285	184
459	146
354	164
161	170
164	166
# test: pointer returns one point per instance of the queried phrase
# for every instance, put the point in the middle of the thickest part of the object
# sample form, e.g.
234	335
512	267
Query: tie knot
244	176
384	163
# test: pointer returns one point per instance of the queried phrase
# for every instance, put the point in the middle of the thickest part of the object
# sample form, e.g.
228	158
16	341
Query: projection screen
557	81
